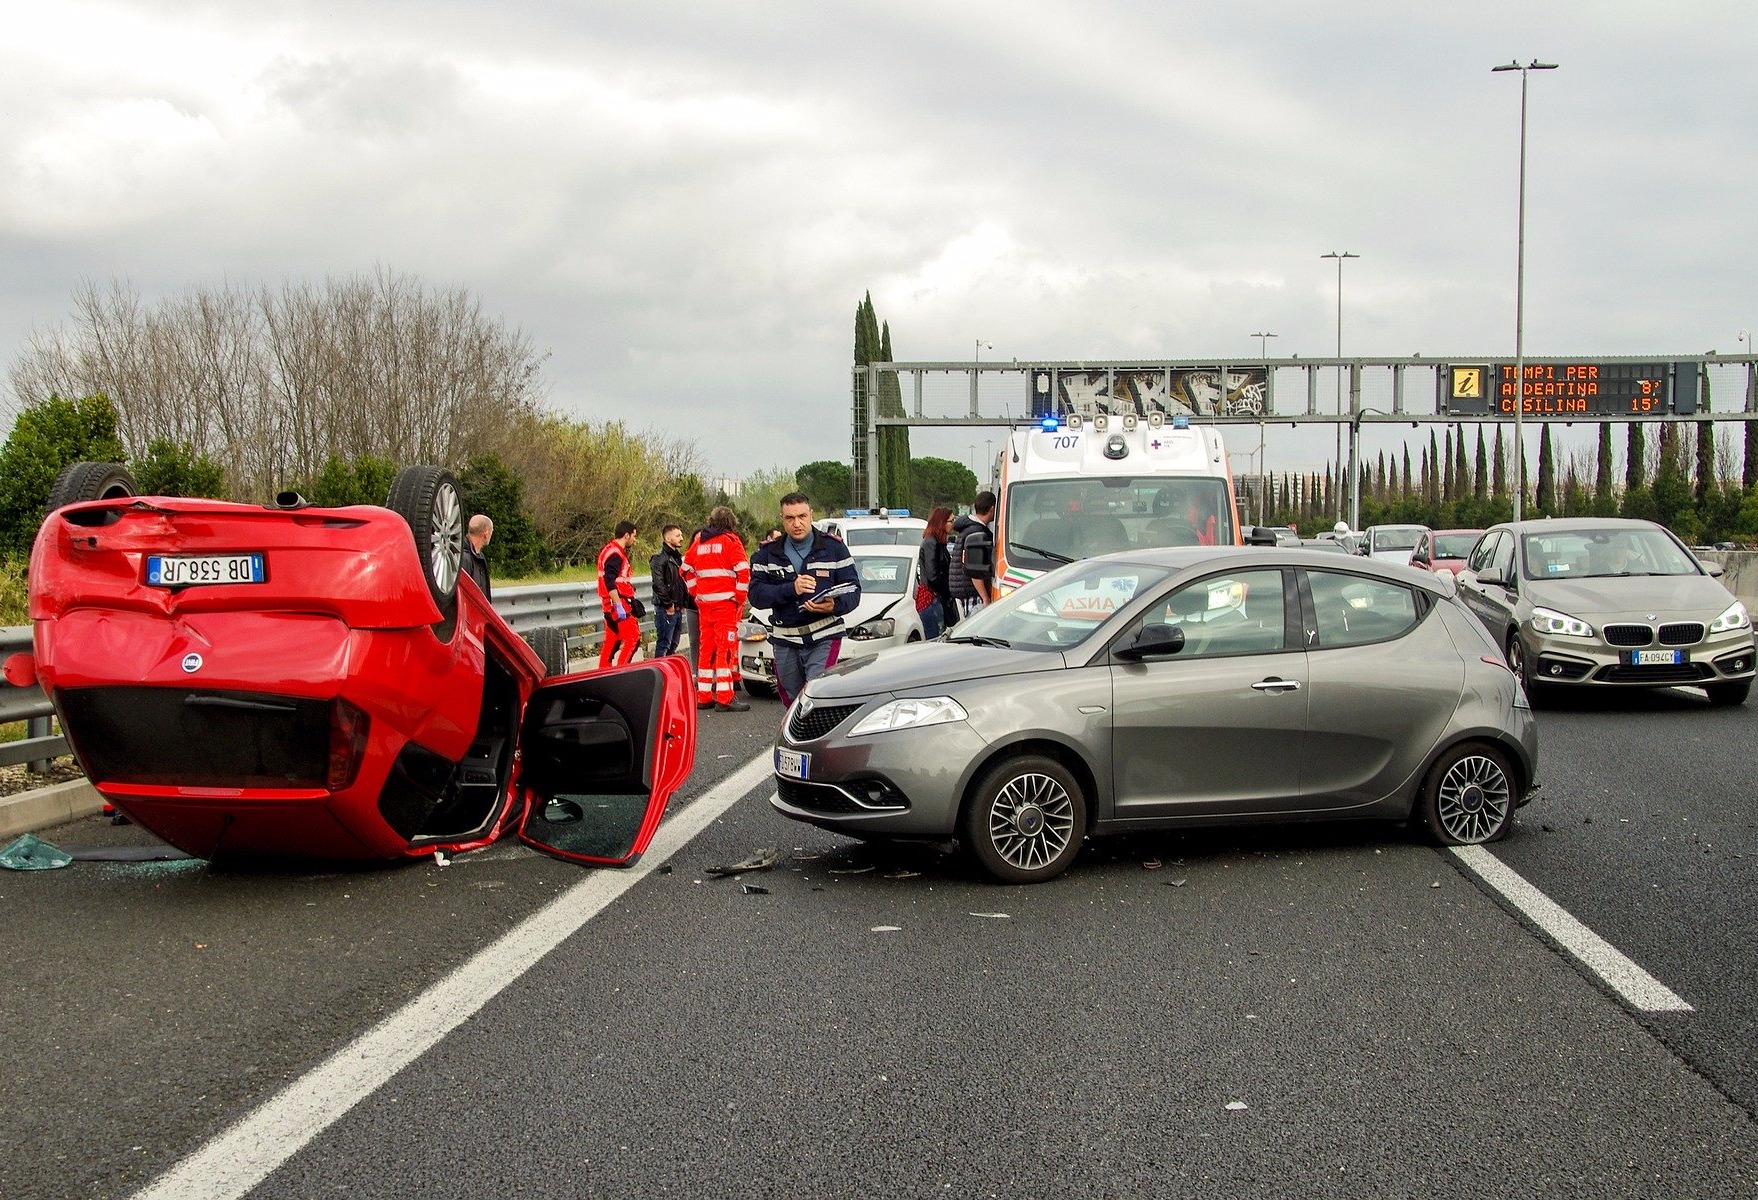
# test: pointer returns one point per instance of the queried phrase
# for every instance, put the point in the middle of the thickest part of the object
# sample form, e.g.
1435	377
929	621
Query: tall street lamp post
1520	290
1339	256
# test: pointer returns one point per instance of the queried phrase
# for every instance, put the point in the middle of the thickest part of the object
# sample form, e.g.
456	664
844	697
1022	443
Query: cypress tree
1499	482
894	480
1605	502
1461	468
1545	501
1635	456
1449	482
1480	479
1706	481
1405	493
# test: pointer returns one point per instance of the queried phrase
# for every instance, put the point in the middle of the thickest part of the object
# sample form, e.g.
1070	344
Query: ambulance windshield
1049	521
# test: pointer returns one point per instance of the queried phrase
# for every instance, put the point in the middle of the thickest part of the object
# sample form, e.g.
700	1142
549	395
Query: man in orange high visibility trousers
616	591
717	574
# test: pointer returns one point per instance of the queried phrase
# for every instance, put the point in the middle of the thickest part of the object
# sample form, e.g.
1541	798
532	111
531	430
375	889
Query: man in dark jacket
807	579
972	570
668	591
476	538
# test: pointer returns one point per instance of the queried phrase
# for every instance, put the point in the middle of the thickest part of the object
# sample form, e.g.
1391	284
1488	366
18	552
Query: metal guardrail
570	606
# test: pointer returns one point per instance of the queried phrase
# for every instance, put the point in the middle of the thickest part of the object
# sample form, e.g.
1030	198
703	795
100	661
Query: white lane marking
1630	981
243	1156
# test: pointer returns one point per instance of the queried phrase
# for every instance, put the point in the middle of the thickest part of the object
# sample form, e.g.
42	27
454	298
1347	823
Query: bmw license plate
792	763
1656	658
190	570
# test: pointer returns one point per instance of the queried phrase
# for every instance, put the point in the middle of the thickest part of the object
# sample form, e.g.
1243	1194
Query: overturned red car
286	680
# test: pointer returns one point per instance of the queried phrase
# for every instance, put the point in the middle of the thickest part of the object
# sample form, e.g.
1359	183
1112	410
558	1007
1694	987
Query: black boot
736	706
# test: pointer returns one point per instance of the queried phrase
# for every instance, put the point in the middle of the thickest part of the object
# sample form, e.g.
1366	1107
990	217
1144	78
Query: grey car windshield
1058	520
1601	553
882	535
1060	610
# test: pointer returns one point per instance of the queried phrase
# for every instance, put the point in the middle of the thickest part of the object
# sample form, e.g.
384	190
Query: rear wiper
979	640
1043	553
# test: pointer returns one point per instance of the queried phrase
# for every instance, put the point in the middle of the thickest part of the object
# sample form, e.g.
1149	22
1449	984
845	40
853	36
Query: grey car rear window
1352	610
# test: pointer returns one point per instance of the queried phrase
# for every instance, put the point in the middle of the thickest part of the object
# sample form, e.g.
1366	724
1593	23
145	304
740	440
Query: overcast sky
682	203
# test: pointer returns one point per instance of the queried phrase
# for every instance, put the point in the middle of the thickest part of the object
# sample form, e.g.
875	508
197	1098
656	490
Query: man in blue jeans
807	579
668	591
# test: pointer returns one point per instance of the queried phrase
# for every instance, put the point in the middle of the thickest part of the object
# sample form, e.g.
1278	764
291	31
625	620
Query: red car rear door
601	754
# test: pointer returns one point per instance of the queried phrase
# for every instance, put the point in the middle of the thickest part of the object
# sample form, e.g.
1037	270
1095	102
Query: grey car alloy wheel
1027	821
1470	797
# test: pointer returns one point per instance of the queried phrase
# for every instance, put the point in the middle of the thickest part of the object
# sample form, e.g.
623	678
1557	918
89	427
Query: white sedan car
885	617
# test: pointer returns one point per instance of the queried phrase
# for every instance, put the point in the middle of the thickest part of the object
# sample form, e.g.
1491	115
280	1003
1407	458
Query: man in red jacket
717	574
616	592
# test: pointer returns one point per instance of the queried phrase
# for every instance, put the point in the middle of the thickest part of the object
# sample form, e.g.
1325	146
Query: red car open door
601	754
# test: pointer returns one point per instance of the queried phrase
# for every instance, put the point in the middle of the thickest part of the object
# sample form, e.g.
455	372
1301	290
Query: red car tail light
347	743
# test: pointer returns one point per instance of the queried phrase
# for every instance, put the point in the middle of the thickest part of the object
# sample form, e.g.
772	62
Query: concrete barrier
27	812
1739	572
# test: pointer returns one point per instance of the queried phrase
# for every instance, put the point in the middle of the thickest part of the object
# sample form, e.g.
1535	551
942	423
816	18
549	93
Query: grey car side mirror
1153	641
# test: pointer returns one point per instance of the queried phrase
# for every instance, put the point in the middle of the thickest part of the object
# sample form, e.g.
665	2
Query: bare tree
270	383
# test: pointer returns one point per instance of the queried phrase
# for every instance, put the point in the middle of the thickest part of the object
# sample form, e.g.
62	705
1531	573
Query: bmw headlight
1555	624
1734	618
913	713
884	627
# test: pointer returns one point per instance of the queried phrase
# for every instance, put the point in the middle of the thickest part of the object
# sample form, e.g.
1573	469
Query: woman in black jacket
933	567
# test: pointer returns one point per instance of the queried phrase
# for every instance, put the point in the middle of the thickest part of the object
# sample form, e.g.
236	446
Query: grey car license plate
793	764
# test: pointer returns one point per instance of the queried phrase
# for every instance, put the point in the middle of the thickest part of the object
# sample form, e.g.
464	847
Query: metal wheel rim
446	538
1474	798
1031	821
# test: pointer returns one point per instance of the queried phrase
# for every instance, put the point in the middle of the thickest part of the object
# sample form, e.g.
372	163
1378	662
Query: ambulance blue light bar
1181	421
1050	424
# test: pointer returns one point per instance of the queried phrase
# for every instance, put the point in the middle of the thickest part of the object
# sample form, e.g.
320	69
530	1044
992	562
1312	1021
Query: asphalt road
1330	1011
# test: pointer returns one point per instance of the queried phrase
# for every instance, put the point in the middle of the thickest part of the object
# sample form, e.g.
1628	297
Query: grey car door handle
1277	685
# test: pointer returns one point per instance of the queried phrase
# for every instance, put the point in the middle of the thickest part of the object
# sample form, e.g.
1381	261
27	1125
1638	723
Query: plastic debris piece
992	915
756	889
760	860
1176	882
1435	884
850	870
903	874
1151	864
30	853
125	854
440	859
888	929
664	869
1237	1106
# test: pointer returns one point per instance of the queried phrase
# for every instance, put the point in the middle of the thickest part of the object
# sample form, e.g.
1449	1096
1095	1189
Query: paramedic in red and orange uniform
616	592
717	574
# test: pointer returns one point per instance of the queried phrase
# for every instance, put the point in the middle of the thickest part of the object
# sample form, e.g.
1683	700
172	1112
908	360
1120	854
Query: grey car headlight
913	713
1734	618
882	628
753	631
1550	621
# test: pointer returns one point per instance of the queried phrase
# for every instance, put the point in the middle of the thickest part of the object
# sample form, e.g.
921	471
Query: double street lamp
1520	290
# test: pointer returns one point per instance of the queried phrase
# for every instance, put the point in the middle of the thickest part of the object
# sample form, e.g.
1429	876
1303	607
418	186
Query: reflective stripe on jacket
715	568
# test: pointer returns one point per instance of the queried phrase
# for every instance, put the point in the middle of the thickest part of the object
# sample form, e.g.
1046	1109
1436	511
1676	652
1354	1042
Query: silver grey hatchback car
1168	688
1607	602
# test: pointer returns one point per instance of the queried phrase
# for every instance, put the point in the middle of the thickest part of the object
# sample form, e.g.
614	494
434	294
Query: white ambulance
1073	487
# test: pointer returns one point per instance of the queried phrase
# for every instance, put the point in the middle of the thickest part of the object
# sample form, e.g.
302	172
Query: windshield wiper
1043	553
970	639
